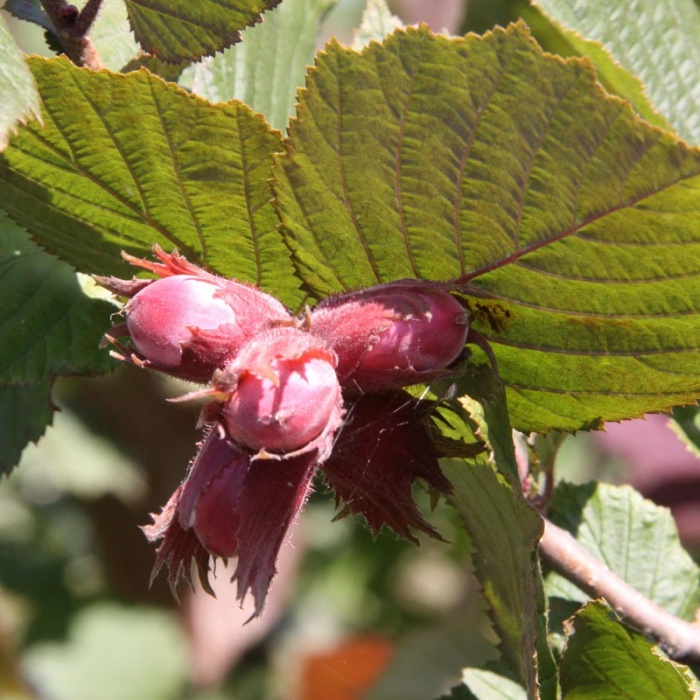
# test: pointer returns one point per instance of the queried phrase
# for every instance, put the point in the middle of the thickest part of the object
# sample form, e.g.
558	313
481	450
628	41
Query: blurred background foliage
348	617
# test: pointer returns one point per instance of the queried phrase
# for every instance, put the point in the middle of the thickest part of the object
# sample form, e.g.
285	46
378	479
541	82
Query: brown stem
71	28
678	638
87	16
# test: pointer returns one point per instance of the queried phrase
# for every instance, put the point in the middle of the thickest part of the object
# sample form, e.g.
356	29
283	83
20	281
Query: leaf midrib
521	252
487	294
552	350
176	171
465	158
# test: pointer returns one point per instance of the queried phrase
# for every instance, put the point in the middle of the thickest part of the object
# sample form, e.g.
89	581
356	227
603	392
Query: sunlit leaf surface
577	241
146	163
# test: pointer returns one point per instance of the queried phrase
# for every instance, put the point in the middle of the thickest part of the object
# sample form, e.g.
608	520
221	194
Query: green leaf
175	30
20	100
605	660
113	652
48	325
377	22
429	658
504	532
29	11
111	35
483	397
25	412
612	75
634	538
126	161
467	160
479	684
503	529
656	40
686	424
265	69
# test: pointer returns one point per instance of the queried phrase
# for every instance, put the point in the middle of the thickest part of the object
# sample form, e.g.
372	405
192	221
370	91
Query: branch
678	638
71	28
87	16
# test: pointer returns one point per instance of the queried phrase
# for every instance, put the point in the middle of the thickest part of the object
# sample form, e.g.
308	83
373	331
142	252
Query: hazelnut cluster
288	397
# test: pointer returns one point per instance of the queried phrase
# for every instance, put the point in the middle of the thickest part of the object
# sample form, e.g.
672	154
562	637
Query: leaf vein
516	255
142	215
527	171
590	158
595	393
176	171
465	157
247	198
606	280
483	294
593	353
344	184
114	142
397	168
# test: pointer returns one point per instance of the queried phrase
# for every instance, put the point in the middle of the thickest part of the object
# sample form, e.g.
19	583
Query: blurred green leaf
43	544
265	69
686	424
461	692
146	163
113	653
112	36
606	660
48	326
429	658
634	538
29	11
179	29
482	15
71	459
20	100
479	684
25	412
377	22
656	40
467	161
